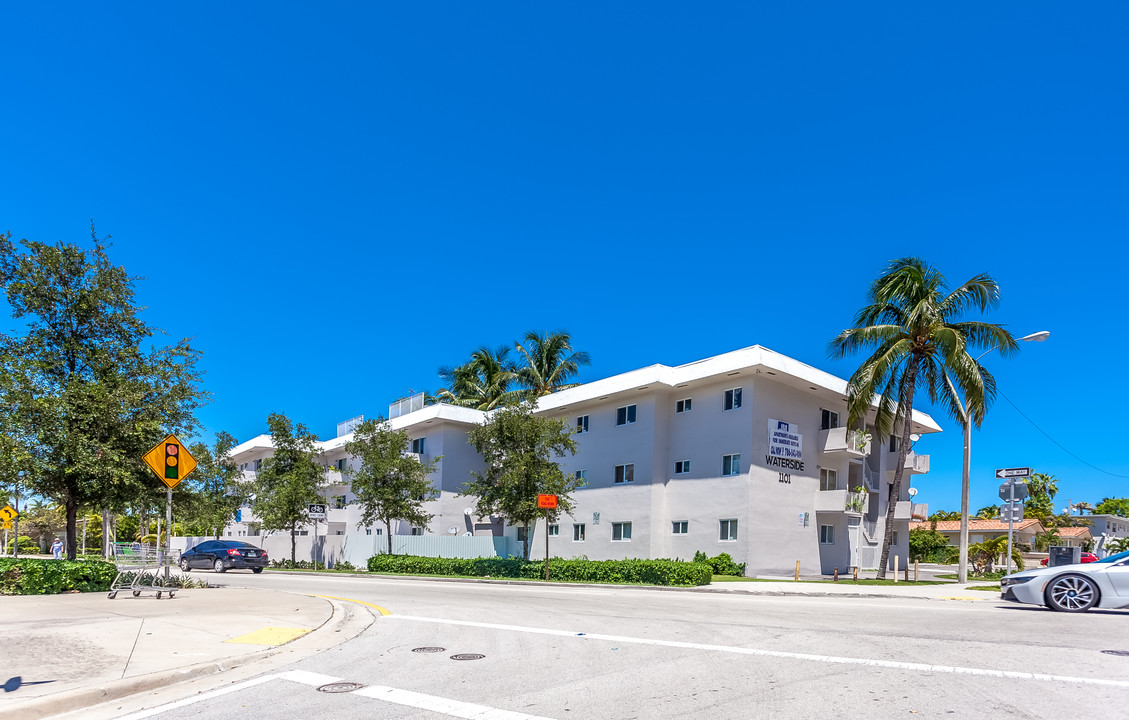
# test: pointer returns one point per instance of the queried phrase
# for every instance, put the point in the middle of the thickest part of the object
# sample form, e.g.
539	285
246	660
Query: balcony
903	510
841	501
841	440
915	464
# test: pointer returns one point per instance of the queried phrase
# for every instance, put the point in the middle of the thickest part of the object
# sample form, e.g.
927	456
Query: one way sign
1005	473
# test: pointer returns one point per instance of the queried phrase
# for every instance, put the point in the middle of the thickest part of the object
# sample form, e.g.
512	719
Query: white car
1072	588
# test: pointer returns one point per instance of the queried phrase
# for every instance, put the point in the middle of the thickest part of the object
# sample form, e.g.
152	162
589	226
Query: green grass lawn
991	588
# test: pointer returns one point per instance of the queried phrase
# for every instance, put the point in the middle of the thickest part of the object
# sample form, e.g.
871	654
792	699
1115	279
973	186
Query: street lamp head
1036	336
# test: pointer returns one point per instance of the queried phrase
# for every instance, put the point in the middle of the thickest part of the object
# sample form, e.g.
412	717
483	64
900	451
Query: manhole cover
1116	652
340	687
467	656
428	649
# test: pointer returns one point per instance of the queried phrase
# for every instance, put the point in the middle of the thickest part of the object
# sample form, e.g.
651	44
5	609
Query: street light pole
966	420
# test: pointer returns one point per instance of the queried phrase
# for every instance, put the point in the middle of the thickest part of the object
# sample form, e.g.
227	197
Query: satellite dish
914	437
468	511
468	534
453	530
912	492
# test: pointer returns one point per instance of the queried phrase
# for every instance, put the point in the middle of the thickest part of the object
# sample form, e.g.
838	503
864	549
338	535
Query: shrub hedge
30	576
645	572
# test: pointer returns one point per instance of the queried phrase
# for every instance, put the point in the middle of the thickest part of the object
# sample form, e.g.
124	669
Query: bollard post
907	573
797	571
836	574
895	568
915	568
856	573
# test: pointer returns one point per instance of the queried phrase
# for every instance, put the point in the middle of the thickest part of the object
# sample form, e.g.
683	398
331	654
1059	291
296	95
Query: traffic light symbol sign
172	469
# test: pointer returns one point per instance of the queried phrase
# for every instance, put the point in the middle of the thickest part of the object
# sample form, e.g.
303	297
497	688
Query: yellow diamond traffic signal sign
170	460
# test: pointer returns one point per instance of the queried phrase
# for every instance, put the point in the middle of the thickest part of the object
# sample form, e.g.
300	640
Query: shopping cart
143	568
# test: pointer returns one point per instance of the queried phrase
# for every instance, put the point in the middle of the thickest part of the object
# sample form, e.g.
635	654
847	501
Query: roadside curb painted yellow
271	636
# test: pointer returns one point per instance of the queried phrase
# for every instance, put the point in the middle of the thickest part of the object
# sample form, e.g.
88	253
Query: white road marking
918	667
443	706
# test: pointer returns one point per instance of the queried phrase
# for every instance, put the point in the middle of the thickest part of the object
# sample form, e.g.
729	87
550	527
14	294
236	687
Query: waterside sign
785	445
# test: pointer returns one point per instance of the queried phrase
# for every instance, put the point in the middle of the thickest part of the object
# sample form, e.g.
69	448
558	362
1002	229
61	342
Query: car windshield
1116	558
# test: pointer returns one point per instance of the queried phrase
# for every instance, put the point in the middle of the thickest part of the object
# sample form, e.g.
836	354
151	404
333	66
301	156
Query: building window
339	532
258	466
578	532
419	445
827	534
621	532
341	465
582	424
521	533
828	419
368	531
625	473
338	502
893	443
731	464
728	531
680	527
682	406
417	531
380	531
554	530
681	467
828	479
733	399
894	539
582	476
625	415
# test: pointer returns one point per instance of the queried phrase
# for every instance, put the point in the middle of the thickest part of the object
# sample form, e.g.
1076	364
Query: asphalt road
569	652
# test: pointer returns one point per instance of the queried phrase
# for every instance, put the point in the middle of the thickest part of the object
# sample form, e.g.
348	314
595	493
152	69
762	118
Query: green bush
928	545
646	572
24	576
723	565
27	545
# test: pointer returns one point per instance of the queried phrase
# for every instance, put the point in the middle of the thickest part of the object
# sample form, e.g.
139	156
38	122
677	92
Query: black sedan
222	555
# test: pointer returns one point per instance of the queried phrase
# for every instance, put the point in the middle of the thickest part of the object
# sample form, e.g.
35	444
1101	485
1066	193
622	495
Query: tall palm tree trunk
899	472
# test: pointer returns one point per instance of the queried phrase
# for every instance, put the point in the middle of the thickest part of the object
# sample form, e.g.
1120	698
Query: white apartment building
745	453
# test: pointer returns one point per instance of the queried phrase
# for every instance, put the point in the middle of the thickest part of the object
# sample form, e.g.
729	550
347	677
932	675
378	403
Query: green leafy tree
215	491
911	325
1113	506
389	483
519	448
1041	489
984	555
988	512
289	480
928	545
1117	545
484	382
1044	540
549	362
88	385
945	515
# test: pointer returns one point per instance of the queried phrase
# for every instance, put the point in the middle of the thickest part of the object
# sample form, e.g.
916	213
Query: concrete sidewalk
68	651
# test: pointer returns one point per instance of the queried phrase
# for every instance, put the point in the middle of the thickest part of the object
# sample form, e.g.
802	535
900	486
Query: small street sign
1017	486
1005	473
316	511
6	525
547	501
1011	512
8	514
170	461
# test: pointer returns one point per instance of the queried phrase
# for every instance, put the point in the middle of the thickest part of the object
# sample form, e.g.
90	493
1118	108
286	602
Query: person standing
57	549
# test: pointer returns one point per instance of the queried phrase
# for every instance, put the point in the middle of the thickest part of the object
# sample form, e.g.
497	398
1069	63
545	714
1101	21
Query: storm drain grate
340	687
1124	653
467	656
428	649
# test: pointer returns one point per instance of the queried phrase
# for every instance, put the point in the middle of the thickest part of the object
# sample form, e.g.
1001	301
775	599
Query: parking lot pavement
76	649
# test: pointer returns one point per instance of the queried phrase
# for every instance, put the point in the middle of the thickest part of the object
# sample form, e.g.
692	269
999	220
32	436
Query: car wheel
256	570
219	566
184	565
1072	593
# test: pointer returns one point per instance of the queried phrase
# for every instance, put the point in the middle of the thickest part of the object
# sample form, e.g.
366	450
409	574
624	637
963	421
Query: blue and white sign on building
785	440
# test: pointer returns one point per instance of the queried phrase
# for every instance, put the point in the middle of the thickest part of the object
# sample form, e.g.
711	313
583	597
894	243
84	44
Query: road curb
80	698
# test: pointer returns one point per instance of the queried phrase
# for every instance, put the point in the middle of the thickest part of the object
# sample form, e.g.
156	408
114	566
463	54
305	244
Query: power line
1056	442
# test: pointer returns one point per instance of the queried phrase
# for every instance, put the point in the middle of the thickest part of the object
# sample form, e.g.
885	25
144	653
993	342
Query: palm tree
945	515
988	512
911	324
1083	506
549	362
484	382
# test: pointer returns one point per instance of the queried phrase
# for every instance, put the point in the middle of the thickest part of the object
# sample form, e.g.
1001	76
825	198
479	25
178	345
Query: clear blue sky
336	201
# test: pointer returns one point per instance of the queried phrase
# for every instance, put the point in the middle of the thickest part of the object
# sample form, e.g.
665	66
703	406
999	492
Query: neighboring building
1106	528
1075	537
745	453
1023	531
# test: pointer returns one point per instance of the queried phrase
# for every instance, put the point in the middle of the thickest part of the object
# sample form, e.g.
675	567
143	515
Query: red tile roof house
1024	531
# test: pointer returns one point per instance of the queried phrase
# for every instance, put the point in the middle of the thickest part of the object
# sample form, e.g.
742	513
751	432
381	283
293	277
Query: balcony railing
843	440
915	464
841	501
